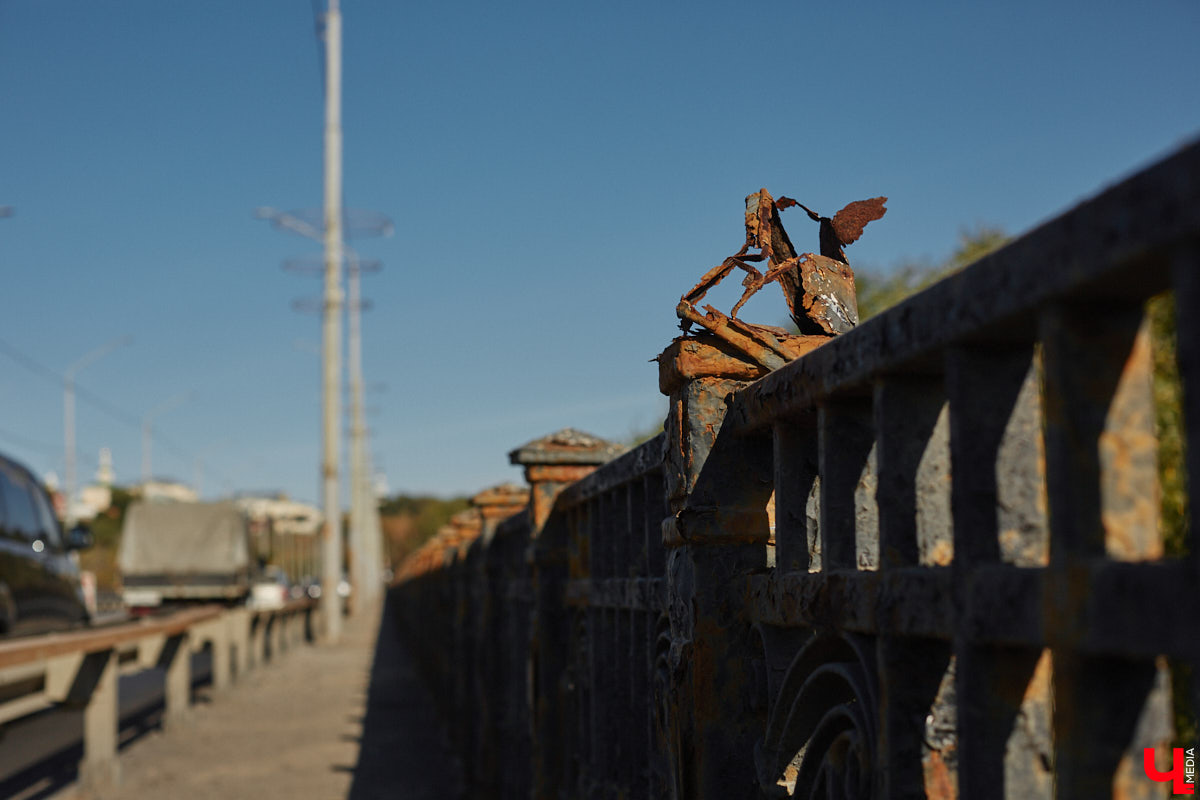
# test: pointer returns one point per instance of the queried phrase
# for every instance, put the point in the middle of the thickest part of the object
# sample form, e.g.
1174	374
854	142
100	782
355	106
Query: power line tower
329	231
330	452
365	567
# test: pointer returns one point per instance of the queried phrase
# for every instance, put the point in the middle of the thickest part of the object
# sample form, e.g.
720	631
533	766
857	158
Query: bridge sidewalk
347	721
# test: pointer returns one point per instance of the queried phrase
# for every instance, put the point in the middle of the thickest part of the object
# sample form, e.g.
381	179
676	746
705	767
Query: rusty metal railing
924	559
602	553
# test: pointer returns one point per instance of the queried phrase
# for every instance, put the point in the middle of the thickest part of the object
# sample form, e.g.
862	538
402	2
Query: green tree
1172	480
409	521
101	558
877	291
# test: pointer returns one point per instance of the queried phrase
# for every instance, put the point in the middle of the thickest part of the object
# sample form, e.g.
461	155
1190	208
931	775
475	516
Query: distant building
95	498
166	491
286	516
285	534
92	500
51	484
104	473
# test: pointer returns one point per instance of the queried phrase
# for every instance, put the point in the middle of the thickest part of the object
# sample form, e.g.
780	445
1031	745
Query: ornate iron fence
924	559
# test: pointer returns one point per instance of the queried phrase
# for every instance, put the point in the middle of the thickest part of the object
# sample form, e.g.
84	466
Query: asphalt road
39	754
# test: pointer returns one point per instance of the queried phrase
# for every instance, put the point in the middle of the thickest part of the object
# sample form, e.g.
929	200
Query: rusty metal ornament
845	227
819	289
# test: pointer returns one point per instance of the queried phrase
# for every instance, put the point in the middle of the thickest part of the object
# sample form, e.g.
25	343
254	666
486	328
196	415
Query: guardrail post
278	634
258	637
95	688
297	627
221	677
239	631
176	658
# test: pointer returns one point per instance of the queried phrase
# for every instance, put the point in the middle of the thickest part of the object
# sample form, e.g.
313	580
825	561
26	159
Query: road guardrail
79	669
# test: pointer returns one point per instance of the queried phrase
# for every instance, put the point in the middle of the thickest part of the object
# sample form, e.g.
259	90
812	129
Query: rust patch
848	223
941	781
708	356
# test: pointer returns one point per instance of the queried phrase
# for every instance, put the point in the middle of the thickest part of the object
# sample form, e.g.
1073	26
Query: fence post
1102	481
551	464
718	531
491	506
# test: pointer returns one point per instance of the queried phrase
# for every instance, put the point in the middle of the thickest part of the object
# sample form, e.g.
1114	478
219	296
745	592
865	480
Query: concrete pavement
349	721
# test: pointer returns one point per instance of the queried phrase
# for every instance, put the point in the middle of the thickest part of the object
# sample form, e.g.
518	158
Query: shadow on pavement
57	770
53	767
404	752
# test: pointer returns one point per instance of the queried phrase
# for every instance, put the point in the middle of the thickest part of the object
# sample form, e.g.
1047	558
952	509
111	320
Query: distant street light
147	419
69	409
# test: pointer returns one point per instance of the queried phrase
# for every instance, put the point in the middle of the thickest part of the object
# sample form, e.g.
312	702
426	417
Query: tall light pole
332	235
363	508
331	534
69	412
148	430
363	562
331	528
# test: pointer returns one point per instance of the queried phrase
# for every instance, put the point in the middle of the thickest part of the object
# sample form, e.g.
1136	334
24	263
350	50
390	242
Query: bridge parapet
923	559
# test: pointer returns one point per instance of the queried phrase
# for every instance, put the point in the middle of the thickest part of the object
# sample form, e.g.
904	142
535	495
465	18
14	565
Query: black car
39	580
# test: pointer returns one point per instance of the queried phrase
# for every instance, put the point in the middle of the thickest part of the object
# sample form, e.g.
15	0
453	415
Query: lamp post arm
69	413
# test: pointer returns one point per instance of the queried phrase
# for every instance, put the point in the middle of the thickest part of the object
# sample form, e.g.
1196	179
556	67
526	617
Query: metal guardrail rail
79	668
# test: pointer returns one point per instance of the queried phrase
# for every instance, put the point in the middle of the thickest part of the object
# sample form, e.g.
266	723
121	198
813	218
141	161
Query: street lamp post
69	414
330	452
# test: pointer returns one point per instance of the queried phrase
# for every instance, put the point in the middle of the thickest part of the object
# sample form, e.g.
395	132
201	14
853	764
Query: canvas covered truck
184	552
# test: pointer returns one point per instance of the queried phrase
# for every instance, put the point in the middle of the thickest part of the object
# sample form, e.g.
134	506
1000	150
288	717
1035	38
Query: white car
270	591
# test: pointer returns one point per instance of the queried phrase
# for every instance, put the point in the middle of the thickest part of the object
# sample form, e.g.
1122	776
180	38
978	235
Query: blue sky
558	174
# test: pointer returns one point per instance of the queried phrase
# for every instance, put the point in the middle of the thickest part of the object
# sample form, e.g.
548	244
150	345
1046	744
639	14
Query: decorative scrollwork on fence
822	732
670	660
